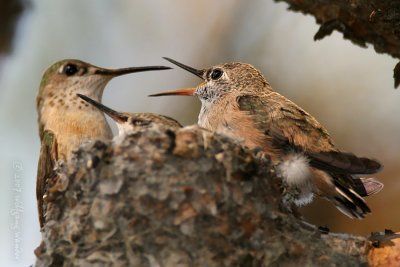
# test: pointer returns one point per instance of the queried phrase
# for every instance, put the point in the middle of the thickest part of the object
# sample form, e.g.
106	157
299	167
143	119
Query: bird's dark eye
70	69
216	74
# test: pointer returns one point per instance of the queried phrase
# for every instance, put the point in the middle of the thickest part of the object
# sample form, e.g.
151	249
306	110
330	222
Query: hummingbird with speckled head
130	123
66	121
238	102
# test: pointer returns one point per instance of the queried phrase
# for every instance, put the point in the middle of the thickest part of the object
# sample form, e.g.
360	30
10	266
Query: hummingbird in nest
238	102
66	121
130	123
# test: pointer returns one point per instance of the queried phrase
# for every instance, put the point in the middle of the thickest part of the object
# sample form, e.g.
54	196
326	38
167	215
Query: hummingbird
238	102
130	123
65	121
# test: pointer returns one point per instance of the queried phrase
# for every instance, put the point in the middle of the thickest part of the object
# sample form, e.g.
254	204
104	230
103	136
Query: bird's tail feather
349	202
371	185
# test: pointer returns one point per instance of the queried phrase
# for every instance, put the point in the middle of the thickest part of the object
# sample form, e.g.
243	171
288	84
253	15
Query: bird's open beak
116	116
123	71
184	91
196	72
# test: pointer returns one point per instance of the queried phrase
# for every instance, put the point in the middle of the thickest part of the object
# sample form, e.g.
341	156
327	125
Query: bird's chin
201	92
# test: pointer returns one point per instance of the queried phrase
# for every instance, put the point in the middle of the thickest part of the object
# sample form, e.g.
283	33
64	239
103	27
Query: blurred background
349	89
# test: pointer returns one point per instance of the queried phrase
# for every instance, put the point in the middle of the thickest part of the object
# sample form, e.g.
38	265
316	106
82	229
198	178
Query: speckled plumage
241	104
67	121
130	123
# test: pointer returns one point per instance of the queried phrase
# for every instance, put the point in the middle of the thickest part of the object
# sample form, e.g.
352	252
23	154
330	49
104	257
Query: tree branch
10	12
376	22
184	198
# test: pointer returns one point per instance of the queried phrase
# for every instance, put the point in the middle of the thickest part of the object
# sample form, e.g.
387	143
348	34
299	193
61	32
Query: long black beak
122	71
117	116
196	72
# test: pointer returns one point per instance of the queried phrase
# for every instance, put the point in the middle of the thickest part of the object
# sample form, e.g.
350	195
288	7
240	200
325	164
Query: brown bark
376	22
184	198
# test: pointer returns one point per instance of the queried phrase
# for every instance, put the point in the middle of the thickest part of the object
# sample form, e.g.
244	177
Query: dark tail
343	162
349	202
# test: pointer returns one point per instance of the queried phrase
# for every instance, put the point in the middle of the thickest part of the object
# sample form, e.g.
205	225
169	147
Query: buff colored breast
74	128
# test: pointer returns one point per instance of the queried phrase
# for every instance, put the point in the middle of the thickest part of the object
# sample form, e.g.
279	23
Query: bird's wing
47	161
286	122
39	106
291	128
343	162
